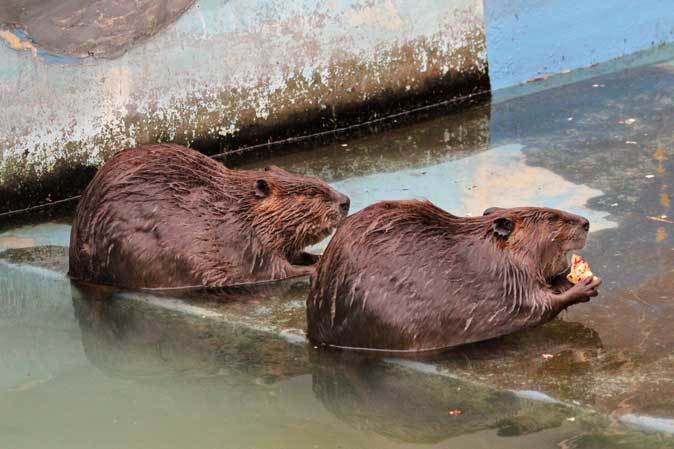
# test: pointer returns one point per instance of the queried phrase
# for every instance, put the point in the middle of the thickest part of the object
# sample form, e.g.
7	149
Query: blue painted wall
530	38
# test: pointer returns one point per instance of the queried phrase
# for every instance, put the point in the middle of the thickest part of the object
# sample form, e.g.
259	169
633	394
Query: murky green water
100	368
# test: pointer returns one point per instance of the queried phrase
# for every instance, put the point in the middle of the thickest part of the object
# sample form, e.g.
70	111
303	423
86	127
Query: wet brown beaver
163	216
406	275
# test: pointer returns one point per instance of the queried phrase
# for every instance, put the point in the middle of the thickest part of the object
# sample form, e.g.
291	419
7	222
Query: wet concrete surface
232	368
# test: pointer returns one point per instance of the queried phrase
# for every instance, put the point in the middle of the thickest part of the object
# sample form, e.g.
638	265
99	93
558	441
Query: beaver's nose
344	203
585	224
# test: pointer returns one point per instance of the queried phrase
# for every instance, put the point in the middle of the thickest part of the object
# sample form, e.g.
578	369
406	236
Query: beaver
409	276
162	216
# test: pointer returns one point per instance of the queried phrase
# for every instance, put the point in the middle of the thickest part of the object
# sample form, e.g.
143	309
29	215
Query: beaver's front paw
560	284
584	290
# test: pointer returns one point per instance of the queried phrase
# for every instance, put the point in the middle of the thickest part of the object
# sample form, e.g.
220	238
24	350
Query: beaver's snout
575	220
582	227
585	224
344	204
577	234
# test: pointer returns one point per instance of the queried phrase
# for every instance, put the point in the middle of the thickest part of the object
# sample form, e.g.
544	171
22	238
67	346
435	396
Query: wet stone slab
54	258
277	308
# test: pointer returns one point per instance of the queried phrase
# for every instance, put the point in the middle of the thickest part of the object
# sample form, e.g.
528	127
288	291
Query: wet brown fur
406	275
168	216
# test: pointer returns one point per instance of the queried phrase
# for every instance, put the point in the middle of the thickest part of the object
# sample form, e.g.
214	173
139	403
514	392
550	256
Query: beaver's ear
262	189
503	226
491	210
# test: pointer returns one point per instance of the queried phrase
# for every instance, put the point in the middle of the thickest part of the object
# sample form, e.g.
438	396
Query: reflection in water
557	358
16	242
138	341
132	338
404	405
184	354
428	143
473	183
36	322
35	235
506	180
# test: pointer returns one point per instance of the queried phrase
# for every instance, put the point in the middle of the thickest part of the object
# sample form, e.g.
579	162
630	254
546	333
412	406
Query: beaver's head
291	212
540	237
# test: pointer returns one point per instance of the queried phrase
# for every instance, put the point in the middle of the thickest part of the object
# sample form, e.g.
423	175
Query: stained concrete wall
529	39
81	80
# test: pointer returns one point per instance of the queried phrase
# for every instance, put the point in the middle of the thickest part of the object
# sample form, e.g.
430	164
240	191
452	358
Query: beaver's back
139	200
406	275
386	271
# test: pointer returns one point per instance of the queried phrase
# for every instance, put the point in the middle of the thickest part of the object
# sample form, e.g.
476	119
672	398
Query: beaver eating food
408	276
162	216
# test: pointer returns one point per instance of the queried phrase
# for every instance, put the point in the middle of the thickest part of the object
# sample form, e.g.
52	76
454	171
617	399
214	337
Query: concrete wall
81	80
527	39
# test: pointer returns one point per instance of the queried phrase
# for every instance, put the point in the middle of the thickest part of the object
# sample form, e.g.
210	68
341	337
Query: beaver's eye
552	219
267	168
262	188
316	194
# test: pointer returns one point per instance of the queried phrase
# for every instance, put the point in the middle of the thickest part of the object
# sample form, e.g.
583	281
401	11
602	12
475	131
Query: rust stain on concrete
16	43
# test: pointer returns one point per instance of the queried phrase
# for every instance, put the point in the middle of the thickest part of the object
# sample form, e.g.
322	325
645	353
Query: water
104	368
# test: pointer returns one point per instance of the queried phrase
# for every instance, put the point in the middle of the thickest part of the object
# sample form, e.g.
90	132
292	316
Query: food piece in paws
580	269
